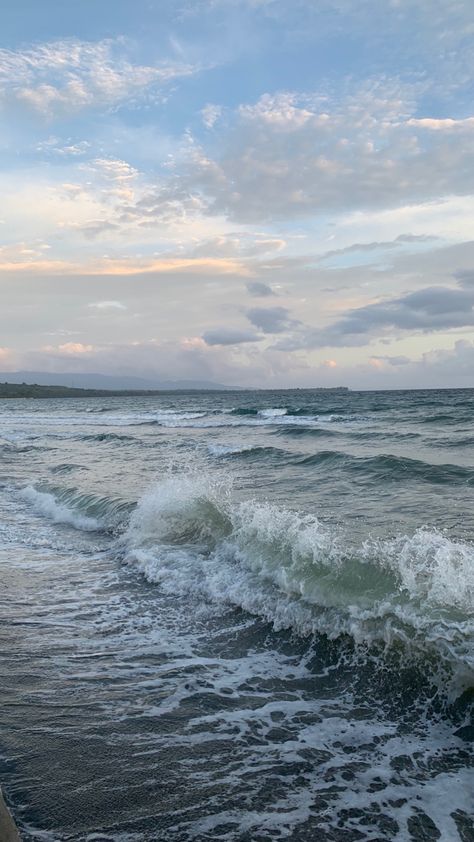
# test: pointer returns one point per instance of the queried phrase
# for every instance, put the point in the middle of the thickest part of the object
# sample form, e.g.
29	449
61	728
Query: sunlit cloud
61	77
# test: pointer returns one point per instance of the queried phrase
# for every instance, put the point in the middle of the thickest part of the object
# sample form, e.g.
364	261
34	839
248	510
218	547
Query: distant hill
33	390
106	382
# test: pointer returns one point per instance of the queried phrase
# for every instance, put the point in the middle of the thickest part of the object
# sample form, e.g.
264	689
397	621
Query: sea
240	616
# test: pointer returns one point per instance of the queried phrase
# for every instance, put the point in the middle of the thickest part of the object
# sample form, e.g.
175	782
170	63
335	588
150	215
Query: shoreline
8	829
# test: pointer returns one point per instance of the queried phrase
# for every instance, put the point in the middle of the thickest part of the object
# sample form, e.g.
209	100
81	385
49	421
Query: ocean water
240	616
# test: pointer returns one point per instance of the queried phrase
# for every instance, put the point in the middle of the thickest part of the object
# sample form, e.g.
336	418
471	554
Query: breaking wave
192	537
75	508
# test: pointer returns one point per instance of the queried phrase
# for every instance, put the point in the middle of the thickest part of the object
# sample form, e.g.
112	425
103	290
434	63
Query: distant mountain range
103	381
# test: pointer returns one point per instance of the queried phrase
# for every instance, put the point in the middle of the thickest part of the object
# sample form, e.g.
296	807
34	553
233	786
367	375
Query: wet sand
8	830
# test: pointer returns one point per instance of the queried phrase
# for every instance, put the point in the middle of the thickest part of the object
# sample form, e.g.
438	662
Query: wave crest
191	535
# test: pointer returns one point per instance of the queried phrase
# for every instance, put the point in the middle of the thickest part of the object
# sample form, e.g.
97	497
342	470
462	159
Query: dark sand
8	831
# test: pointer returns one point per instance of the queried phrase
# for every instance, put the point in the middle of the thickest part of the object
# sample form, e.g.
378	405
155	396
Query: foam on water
191	536
47	505
75	508
272	413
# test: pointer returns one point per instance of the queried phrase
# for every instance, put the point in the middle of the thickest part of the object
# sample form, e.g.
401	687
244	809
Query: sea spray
192	536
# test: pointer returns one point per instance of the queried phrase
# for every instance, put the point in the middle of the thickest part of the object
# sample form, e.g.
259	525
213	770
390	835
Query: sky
264	193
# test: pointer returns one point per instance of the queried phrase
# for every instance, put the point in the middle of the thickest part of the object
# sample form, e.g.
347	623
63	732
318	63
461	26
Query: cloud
65	76
401	240
240	244
228	336
123	266
295	155
210	115
67	149
271	319
259	289
7	359
428	310
441	125
107	305
69	349
188	358
395	361
114	169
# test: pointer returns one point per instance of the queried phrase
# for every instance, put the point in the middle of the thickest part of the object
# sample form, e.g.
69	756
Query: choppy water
238	616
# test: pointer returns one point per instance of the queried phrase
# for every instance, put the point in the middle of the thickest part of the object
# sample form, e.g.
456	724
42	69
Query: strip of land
28	390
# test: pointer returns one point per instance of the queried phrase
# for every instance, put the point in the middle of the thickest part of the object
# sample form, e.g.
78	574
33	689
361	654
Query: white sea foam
47	505
429	566
229	449
272	413
191	536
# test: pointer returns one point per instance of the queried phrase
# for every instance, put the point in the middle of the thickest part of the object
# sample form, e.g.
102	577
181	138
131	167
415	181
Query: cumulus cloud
70	75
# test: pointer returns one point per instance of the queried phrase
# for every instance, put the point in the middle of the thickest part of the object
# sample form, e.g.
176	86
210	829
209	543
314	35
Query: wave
189	535
107	437
466	441
389	468
303	431
384	467
76	508
260	418
67	468
447	418
221	450
389	435
11	447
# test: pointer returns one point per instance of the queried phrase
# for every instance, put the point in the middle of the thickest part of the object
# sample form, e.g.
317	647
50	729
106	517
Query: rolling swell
191	537
389	468
384	467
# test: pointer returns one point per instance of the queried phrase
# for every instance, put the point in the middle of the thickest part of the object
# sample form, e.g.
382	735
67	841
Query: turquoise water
238	616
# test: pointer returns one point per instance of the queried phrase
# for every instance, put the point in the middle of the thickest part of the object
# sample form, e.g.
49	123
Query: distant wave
107	437
67	468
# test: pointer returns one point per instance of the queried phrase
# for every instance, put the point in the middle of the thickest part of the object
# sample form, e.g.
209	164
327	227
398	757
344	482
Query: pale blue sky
260	192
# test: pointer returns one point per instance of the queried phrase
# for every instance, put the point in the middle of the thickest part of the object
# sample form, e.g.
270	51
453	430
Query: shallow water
238	616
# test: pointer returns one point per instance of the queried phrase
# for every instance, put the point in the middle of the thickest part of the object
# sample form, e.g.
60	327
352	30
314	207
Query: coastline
8	829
